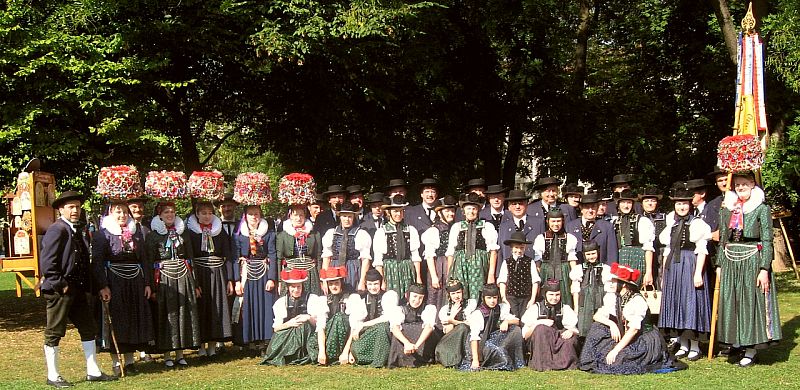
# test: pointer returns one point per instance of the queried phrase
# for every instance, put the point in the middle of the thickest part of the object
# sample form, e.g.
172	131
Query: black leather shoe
694	358
59	383
100	378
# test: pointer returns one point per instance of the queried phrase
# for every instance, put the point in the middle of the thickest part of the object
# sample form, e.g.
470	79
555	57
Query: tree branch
218	145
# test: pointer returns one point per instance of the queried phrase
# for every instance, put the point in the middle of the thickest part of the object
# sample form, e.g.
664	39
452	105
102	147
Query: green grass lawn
22	363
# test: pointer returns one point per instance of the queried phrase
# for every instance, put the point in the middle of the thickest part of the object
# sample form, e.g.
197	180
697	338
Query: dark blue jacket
58	258
603	234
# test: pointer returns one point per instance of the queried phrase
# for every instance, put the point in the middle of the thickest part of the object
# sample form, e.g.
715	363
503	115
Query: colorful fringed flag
751	117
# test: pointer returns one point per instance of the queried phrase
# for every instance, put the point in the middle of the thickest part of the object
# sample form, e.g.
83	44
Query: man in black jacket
66	284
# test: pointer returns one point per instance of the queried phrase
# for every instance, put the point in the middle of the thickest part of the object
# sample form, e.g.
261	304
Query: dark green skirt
747	316
372	347
633	256
471	272
399	274
337	330
450	350
292	346
547	272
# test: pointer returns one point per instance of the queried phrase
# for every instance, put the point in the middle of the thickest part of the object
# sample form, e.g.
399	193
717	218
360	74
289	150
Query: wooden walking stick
715	304
120	356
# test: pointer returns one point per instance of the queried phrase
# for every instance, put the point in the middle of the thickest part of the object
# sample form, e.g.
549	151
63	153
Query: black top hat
335	189
626	195
67	196
651	192
472	183
621	179
395	202
495	189
355	189
696	184
680	191
376	197
471	199
429	182
449	201
517	238
546	182
517	195
572	189
397	183
589	198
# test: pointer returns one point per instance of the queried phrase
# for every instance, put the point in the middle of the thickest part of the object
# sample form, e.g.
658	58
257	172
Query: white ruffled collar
194	225
289	229
263	228
159	227
756	199
113	227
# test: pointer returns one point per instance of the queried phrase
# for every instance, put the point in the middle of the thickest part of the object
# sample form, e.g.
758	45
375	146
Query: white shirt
503	277
488	232
379	245
475	321
568	318
362	244
572	244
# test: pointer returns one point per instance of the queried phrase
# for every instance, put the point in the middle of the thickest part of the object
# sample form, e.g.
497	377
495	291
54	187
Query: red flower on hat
295	274
625	273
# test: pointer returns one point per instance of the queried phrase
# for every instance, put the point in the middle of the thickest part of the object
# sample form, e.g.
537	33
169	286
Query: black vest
519	282
444	237
352	253
546	311
631	236
391	241
296	307
373	303
480	242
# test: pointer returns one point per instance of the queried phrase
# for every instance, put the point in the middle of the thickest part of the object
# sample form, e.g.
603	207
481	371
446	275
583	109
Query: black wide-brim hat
396	183
592	197
572	189
517	238
515	195
627	195
375	197
471	199
448	202
546	182
651	192
472	183
355	189
696	184
716	172
680	191
429	182
67	196
335	189
623	178
347	208
495	189
396	202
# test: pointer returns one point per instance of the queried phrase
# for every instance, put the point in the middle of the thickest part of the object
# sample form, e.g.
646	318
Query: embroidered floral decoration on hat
207	185
119	182
166	184
297	189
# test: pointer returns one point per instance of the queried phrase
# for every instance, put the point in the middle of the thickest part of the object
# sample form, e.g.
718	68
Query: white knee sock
684	341
695	346
51	358
89	351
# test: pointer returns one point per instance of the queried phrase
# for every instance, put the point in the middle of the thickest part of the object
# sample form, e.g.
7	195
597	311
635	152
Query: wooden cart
29	215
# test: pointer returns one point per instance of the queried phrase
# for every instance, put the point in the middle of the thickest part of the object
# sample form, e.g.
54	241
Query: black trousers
518	304
73	306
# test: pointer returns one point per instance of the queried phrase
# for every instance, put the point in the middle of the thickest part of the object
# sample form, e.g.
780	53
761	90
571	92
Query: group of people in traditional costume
486	280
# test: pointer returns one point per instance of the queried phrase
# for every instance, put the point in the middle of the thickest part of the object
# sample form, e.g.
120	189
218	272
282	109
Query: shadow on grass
782	351
21	314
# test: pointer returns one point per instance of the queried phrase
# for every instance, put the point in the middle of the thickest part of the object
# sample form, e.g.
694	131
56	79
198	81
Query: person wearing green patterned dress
555	249
748	317
453	318
299	247
337	326
369	323
472	248
299	324
635	237
396	249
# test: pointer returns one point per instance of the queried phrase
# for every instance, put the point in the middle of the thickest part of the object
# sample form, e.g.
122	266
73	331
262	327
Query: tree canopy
361	91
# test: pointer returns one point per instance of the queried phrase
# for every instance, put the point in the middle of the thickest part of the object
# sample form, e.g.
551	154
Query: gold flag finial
749	21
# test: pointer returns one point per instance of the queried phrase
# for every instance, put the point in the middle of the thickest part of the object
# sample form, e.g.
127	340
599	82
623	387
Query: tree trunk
512	156
725	21
581	50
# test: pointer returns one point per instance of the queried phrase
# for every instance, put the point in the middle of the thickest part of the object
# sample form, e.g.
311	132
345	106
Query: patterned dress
296	345
435	241
548	350
373	343
556	251
500	350
588	282
470	244
635	236
349	254
337	326
412	322
748	317
450	350
396	248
